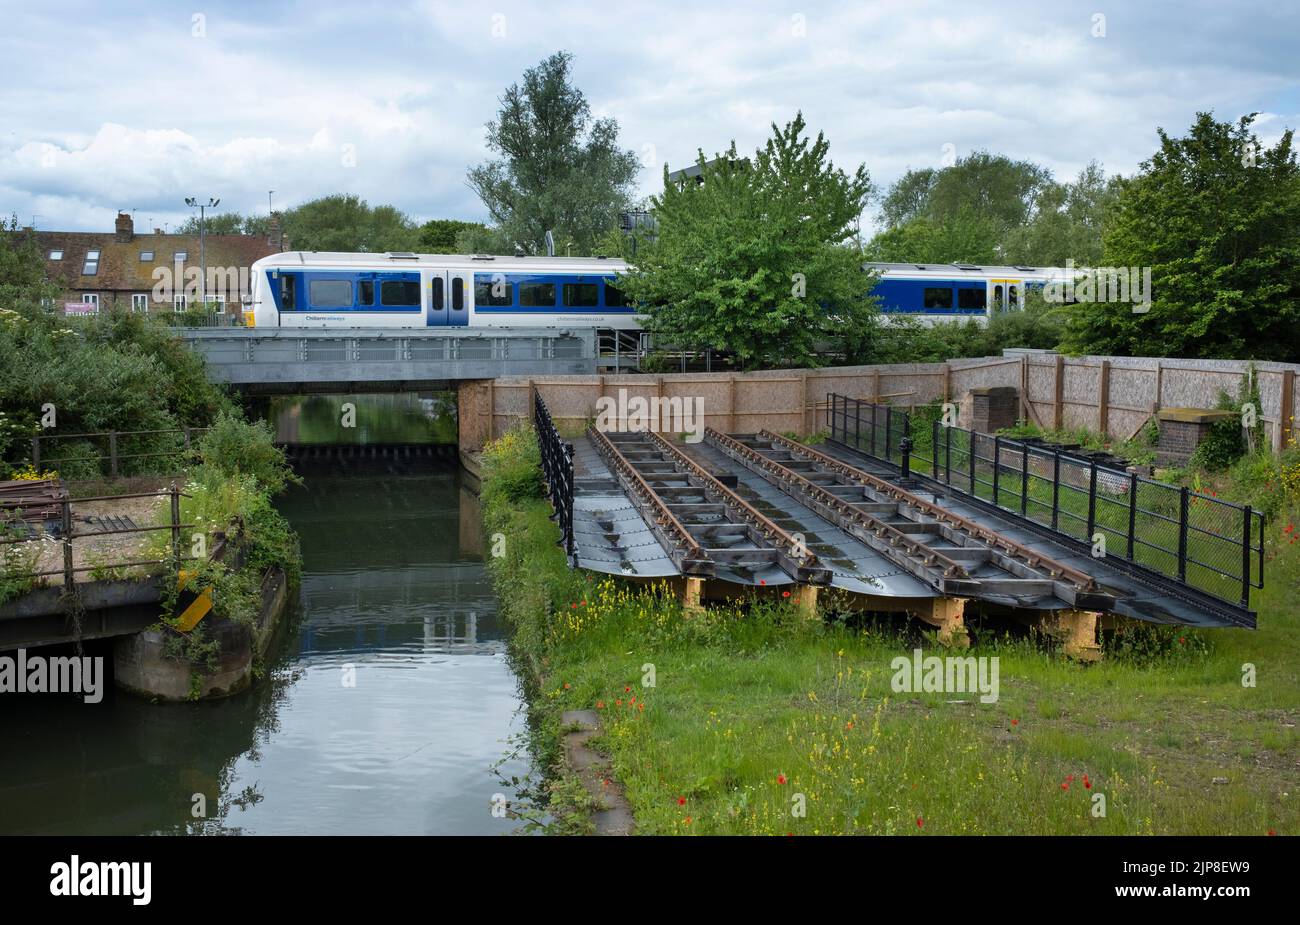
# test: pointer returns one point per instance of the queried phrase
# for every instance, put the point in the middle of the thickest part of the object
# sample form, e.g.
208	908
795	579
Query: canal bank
382	708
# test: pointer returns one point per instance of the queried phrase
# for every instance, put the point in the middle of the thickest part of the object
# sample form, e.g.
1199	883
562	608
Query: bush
510	467
234	447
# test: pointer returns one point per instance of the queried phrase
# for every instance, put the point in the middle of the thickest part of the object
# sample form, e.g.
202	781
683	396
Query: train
298	289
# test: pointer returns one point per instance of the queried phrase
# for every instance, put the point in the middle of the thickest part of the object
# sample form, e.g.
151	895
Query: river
384	706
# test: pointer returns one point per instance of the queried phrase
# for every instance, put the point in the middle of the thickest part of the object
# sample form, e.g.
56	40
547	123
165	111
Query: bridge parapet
347	356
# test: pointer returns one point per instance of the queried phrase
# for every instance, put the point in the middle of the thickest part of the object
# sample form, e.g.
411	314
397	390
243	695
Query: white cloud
125	109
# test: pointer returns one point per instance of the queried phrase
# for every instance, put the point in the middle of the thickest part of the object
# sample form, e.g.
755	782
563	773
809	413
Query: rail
1197	540
116	449
557	466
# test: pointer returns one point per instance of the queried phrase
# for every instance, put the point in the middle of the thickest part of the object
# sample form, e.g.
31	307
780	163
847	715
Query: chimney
157	231
124	228
274	236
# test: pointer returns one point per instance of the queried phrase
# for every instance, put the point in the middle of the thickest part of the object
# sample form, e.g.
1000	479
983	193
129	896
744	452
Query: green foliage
558	171
235	447
227	223
967	237
1039	325
1217	219
1148	644
510	467
346	222
440	235
1066	223
756	260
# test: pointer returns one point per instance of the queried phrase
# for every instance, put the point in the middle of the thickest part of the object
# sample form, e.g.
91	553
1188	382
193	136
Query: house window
91	266
180	256
146	256
91	298
140	302
56	255
178	303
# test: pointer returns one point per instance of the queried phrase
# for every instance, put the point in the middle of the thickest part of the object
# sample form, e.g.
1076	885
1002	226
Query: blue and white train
934	292
308	289
333	290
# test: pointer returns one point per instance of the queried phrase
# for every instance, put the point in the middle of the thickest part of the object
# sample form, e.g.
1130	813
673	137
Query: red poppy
785	593
566	685
920	823
1015	722
1065	785
780	778
762	581
600	704
619	702
1271	832
849	725
681	801
1087	784
688	820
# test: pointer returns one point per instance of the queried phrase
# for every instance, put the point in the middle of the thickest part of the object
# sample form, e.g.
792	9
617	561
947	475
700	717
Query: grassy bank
755	713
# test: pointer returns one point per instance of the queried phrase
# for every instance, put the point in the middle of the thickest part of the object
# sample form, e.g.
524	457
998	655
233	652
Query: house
154	272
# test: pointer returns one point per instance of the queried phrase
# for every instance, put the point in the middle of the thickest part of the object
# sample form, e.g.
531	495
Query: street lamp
203	261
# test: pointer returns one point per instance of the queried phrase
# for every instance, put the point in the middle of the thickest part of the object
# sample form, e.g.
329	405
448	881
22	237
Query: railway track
702	524
955	556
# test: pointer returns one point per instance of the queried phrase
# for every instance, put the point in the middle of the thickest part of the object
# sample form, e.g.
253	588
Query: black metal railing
1200	540
557	466
110	453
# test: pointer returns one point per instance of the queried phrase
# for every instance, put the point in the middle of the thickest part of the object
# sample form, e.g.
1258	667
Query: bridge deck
730	507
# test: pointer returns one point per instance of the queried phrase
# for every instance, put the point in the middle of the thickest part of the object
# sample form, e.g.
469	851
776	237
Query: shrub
235	447
510	467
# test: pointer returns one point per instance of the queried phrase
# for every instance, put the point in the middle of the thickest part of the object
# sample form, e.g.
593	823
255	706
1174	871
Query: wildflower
785	593
1015	722
762	581
687	820
619	702
920	823
1065	785
780	778
1087	784
600	704
627	690
566	685
681	801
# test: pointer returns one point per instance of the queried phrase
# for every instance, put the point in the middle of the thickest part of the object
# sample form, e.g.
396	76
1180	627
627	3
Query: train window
581	295
537	295
492	290
457	294
330	293
614	296
971	298
997	297
938	298
1012	295
399	292
288	292
366	292
437	294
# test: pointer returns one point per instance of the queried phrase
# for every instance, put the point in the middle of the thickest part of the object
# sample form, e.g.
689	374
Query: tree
441	235
220	223
959	214
1216	218
559	171
755	259
347	223
1066	224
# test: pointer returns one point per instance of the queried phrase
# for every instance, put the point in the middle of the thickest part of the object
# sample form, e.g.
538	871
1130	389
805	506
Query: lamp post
203	260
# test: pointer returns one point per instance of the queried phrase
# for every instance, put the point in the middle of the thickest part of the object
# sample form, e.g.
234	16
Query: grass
749	719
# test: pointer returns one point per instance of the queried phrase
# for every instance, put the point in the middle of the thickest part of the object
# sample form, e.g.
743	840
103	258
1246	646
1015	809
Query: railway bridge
928	523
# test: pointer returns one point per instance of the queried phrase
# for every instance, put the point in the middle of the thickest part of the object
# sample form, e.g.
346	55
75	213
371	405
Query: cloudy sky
135	106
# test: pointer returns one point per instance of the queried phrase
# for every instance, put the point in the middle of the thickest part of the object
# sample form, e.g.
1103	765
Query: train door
438	300
1004	295
458	290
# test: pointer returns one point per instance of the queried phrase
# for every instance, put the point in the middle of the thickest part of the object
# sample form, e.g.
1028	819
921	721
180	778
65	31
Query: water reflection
385	705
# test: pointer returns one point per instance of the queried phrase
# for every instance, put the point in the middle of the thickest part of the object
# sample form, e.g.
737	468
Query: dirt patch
102	552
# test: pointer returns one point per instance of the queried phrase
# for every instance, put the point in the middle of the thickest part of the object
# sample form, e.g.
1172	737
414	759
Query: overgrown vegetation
754	710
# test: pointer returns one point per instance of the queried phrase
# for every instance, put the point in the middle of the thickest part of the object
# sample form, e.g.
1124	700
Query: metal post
69	576
889	429
1245	557
1132	512
857	428
874	409
971	455
176	524
905	448
1182	533
947	455
1056	488
112	452
1092	498
1024	479
997	464
934	448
